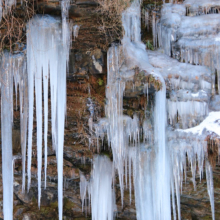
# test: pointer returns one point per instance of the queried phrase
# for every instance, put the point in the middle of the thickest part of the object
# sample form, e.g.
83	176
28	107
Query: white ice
100	189
47	58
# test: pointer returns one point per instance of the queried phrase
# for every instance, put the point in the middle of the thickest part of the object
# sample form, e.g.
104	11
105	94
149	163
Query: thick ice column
6	134
163	211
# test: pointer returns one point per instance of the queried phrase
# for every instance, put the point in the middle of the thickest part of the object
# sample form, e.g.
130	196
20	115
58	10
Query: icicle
100	189
75	31
162	161
146	18
47	55
210	187
6	134
65	4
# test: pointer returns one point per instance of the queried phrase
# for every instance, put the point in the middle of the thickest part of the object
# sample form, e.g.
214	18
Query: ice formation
195	7
5	6
100	189
190	88
119	127
47	58
75	31
13	69
191	39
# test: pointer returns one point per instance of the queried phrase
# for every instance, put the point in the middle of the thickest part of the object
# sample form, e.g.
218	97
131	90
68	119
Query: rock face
85	88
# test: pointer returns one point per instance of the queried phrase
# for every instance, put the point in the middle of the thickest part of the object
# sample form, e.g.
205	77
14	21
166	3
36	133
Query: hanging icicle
47	58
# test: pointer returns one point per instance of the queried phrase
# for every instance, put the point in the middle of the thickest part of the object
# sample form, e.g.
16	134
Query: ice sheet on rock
100	189
47	57
174	25
202	25
198	7
181	75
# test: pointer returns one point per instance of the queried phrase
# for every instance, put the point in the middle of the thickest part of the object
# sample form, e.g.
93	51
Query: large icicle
47	57
162	159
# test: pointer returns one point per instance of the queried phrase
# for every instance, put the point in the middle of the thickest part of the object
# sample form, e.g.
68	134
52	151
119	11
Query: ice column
47	57
6	134
162	156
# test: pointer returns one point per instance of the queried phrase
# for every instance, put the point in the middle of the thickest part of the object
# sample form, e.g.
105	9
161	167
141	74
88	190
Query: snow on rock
211	125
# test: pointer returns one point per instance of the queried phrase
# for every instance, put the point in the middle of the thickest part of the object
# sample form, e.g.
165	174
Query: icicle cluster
47	58
99	189
200	7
